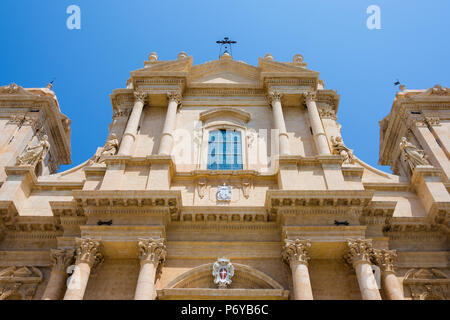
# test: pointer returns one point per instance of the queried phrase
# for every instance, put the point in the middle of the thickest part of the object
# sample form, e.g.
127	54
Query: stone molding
296	251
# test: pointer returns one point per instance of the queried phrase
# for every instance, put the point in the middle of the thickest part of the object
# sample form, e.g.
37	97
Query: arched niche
247	284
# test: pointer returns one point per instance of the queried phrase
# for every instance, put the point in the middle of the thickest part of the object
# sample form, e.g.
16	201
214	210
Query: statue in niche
109	149
31	156
412	154
340	148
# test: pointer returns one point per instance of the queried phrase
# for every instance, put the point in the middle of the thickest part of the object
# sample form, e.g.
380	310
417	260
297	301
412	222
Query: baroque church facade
224	181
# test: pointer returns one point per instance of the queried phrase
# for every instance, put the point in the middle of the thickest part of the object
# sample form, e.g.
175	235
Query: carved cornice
384	259
61	258
88	251
152	250
296	251
359	250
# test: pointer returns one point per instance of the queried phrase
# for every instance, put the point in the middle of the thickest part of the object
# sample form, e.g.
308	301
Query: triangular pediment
224	71
271	66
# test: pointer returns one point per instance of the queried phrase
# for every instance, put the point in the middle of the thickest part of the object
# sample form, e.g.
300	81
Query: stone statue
31	156
109	149
412	154
339	148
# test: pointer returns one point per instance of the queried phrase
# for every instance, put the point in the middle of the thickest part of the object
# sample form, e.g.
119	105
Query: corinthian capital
309	96
174	96
152	250
384	259
274	96
296	251
359	250
88	251
61	258
140	95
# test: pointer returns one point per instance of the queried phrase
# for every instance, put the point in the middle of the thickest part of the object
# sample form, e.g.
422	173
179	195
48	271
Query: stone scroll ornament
31	156
223	271
412	154
340	148
109	149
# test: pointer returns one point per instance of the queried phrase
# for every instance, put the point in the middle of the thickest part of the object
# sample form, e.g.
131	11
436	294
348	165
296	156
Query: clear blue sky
116	37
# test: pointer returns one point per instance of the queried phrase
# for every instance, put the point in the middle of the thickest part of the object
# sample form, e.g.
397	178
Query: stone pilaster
152	253
389	281
129	135
88	257
166	144
358	256
295	253
277	111
61	259
320	138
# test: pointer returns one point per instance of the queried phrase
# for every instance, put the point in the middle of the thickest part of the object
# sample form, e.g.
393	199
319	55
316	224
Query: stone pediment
224	71
271	66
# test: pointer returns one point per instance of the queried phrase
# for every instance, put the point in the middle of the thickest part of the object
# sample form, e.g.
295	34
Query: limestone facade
297	213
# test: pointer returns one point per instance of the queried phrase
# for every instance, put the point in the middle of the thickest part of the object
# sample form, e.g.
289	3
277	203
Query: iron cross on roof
225	44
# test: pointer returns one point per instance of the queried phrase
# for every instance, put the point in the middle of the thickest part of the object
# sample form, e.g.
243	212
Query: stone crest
223	193
223	271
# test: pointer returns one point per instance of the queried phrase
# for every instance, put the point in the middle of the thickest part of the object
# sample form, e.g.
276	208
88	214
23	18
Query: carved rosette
174	96
152	250
274	97
140	95
61	258
359	250
88	251
296	251
384	259
309	96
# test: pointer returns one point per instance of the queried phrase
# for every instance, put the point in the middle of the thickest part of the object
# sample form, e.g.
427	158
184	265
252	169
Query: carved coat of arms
223	271
223	193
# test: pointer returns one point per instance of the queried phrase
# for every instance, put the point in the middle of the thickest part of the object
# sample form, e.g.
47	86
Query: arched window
225	150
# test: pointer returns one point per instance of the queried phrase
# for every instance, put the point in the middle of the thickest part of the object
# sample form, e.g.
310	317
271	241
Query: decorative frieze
19	282
427	284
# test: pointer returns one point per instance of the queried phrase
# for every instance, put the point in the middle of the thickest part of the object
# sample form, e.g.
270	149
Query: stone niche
247	284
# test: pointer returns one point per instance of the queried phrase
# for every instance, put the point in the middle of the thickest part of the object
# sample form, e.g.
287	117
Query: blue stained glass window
225	150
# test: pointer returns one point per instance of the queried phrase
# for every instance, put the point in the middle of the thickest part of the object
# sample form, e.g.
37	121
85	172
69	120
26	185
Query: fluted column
88	257
129	136
389	281
152	253
166	144
56	284
277	111
316	124
295	253
358	257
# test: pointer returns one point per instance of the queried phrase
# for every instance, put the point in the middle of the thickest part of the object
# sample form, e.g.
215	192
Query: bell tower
33	130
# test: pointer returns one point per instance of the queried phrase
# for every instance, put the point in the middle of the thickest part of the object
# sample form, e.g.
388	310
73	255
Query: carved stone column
88	257
152	253
55	287
358	257
295	253
316	124
166	144
389	281
277	111
129	136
